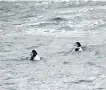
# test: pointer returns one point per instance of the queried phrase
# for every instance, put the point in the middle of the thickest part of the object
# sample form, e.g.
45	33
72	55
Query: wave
51	18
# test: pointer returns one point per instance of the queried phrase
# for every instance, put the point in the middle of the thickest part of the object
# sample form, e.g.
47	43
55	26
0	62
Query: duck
34	55
78	47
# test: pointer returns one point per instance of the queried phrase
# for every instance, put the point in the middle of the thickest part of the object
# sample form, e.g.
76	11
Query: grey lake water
51	28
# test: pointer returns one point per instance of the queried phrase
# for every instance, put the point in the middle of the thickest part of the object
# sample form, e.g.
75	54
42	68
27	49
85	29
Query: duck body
36	58
78	49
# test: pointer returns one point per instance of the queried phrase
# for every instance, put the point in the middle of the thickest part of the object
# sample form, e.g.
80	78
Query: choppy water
52	29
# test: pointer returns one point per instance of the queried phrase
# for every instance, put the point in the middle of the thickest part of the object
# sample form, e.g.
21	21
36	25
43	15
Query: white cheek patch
36	57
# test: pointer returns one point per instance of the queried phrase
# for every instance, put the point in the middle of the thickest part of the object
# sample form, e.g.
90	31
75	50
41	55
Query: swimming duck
34	55
78	47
